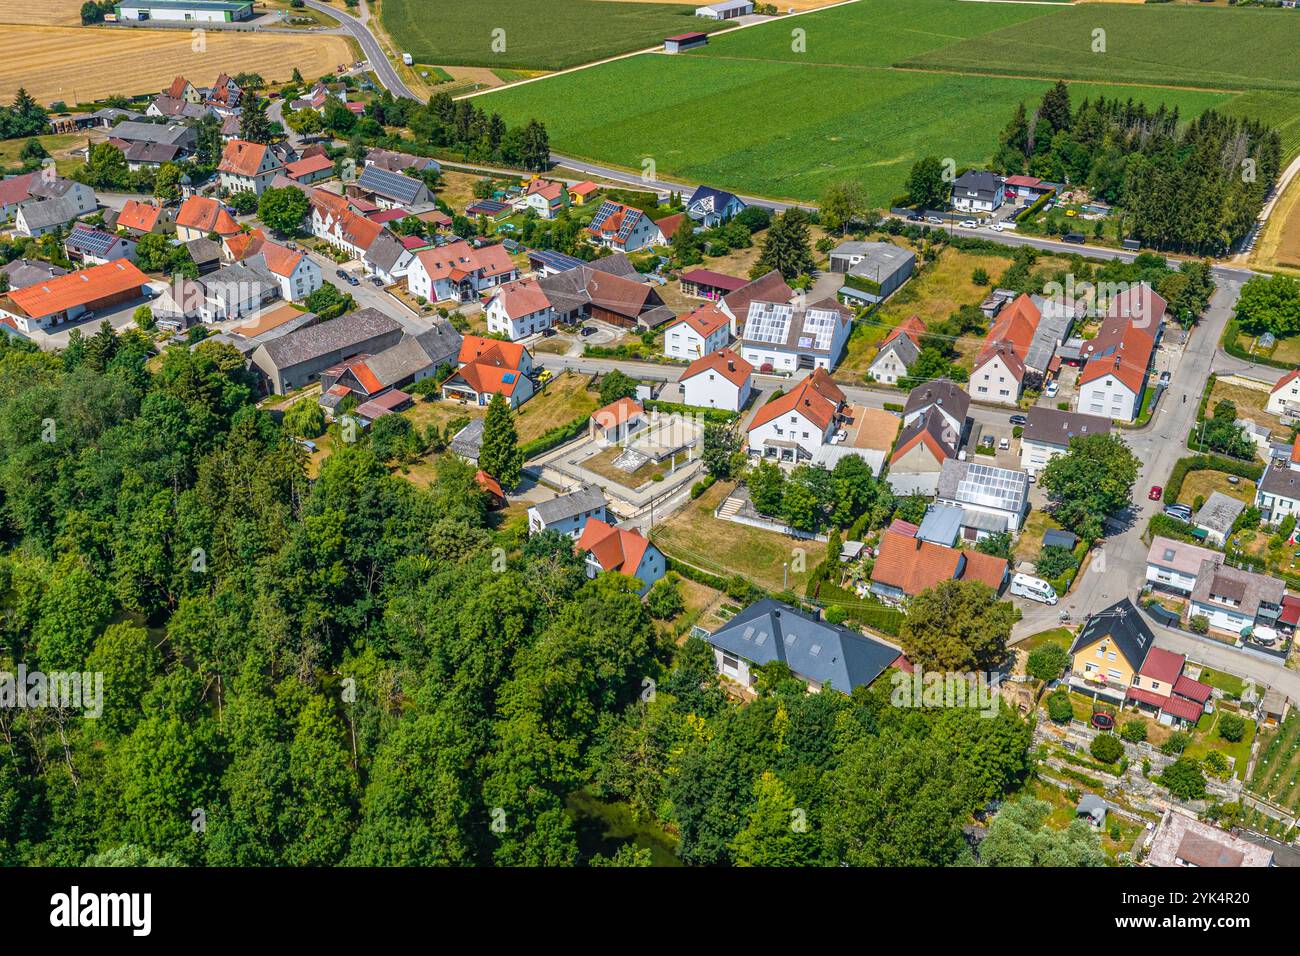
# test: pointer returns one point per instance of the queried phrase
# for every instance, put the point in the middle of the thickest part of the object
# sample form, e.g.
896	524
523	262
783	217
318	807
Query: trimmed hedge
556	436
719	416
1037	207
1231	466
1233	348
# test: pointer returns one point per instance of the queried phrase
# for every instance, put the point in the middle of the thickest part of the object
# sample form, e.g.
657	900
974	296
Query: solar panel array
768	322
608	208
993	487
93	241
819	324
394	185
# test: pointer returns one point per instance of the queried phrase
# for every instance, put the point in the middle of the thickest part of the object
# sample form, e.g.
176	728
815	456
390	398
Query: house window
1114	674
730	663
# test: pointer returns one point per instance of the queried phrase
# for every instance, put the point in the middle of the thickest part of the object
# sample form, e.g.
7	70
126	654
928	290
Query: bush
1047	662
1232	727
1199	623
1054	561
1059	707
1184	779
1106	748
663	600
1216	764
1242	469
1176	743
1134	731
835	614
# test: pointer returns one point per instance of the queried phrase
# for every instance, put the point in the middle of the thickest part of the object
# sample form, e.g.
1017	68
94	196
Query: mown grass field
540	35
1217	48
766	111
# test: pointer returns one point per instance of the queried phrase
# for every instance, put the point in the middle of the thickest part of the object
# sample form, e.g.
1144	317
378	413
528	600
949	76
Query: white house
780	337
247	167
1284	397
725	10
388	259
238	290
993	500
1234	601
1048	432
620	551
720	379
1278	492
1174	565
795	426
298	276
999	371
519	309
459	272
623	228
545	197
900	349
1114	376
488	367
978	190
567	513
697	333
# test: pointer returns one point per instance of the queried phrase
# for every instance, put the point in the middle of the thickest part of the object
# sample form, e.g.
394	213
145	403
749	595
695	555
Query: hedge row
719	416
1231	466
1233	348
556	436
1037	206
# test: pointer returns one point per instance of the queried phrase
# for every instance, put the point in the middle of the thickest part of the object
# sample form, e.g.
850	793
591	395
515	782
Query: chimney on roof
731	365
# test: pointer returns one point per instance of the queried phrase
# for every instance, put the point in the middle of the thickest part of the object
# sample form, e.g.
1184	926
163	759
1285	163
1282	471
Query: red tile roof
706	320
1162	665
912	565
615	549
242	158
83	287
307	166
244	244
521	297
1150	697
206	215
177	90
1184	709
15	189
817	398
485	364
715	279
488	483
899	526
584	188
1285	379
443	261
142	216
1186	687
1127	337
1011	334
725	362
280	259
668	225
617	413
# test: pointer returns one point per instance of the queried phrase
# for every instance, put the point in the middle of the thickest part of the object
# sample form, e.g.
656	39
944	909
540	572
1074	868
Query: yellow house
1109	652
580	193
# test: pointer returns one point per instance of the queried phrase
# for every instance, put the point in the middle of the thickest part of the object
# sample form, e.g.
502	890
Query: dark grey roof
141	152
931	421
404	360
96	242
1246	589
1055	537
616	264
1052	426
769	631
942	392
353	329
1122	623
203	250
25	272
1054	326
1219	512
168	133
390	185
441	343
385	252
1280	480
587	498
979	181
981	485
903	346
49	212
468	442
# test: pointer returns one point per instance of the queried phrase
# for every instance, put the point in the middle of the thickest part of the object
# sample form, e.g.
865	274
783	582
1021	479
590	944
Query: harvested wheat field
82	64
54	13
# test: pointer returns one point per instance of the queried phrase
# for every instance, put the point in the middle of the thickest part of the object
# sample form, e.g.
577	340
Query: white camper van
1036	589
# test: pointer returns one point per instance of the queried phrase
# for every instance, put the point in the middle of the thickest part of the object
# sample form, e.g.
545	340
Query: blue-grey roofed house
711	207
392	189
941	525
818	652
1054	537
547	262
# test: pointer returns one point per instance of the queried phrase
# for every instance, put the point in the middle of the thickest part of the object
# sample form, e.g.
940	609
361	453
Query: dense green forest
353	670
1196	186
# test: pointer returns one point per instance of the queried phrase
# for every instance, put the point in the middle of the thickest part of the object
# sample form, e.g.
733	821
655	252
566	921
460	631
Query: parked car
547	332
377	281
1155	492
1179	513
1075	237
1018	420
1052	389
1164	378
915	218
588	330
341	273
353	280
1234	480
1004	443
969	224
997	226
934	220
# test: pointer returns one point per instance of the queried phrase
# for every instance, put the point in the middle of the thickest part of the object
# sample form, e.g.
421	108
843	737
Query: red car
1155	492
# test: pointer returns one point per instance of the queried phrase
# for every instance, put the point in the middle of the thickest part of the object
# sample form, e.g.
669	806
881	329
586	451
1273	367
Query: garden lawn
1200	484
1206	738
563	399
725	548
1277	767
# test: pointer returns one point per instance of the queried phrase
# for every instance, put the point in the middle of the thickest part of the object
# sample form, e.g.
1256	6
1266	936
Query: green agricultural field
783	129
773	111
539	35
1202	47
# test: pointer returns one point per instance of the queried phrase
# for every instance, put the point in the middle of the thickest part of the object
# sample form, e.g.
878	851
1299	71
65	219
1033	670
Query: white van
1036	589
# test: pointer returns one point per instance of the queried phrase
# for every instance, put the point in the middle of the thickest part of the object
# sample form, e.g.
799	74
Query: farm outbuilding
196	11
685	41
726	10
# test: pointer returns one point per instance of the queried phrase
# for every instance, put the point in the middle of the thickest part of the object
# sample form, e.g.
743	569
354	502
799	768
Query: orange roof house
1123	346
817	398
309	168
204	215
242	158
581	192
139	217
490	367
620	551
723	362
906	566
66	297
616	420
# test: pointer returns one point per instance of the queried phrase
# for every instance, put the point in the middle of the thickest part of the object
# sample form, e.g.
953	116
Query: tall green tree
1092	480
786	247
501	456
